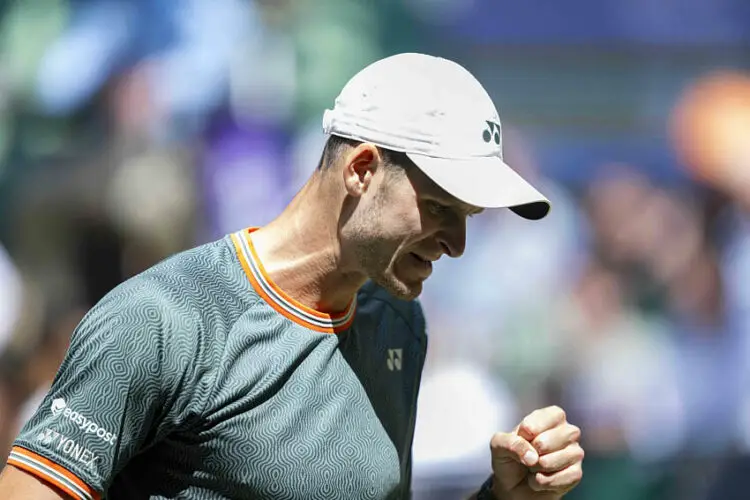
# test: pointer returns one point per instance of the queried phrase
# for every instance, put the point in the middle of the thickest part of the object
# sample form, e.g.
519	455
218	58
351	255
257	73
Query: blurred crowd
133	129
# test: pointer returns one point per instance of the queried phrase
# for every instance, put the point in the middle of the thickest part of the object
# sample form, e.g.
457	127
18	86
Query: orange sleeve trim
52	473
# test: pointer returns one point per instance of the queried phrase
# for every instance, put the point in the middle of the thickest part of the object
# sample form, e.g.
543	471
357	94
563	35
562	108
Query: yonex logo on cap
492	132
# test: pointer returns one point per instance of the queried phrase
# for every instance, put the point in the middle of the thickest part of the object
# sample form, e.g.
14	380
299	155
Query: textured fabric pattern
185	382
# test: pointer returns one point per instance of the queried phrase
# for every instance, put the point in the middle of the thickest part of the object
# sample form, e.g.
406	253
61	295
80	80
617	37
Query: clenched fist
540	460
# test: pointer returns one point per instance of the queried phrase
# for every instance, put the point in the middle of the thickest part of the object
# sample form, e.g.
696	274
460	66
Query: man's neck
301	252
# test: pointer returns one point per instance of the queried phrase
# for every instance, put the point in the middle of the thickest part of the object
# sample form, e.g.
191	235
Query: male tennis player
284	362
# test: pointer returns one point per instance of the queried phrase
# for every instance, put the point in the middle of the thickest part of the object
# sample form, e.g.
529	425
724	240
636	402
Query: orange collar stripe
279	300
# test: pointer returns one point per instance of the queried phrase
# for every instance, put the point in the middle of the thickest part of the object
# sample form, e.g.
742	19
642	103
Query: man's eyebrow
453	202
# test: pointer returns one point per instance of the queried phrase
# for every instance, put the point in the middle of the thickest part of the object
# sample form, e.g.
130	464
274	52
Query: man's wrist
485	491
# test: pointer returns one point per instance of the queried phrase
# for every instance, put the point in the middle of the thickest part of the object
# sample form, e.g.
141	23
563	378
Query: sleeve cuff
485	492
51	473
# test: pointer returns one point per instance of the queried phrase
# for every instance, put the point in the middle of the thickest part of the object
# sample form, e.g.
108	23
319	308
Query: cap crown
418	104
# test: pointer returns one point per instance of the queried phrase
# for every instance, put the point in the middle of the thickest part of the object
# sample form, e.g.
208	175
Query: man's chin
409	295
401	289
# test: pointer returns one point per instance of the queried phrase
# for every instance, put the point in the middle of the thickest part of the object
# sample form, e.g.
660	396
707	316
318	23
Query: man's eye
436	208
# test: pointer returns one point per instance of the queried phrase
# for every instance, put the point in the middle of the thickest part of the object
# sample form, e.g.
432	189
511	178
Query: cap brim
486	182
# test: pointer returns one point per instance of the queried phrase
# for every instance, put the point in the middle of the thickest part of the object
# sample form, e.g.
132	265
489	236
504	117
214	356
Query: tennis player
284	362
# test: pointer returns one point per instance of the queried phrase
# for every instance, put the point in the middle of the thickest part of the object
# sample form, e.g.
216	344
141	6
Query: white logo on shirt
47	437
394	359
67	446
60	407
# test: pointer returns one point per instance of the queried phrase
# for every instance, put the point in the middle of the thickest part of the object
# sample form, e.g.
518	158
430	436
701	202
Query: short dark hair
337	146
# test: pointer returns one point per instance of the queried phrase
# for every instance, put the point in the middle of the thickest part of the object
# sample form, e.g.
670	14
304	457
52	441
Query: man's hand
541	459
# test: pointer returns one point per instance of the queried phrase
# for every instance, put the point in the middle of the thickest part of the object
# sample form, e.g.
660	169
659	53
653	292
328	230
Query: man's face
408	223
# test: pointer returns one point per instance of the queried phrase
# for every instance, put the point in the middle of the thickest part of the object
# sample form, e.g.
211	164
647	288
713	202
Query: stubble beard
377	258
377	255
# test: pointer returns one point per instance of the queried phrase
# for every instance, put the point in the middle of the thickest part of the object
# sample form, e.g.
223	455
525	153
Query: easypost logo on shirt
60	408
58	405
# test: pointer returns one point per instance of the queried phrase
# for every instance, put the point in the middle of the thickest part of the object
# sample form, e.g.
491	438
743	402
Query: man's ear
360	166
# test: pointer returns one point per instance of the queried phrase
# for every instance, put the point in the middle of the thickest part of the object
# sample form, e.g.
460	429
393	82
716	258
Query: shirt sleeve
120	388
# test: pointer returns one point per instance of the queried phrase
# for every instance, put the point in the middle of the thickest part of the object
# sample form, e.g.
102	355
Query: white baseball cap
437	113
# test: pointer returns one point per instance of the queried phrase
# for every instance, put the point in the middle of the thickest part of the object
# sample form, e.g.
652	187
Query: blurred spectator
187	44
10	298
710	128
621	373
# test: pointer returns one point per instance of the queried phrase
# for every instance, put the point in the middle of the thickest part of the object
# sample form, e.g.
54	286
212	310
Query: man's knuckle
544	480
503	443
497	441
550	464
542	443
527	424
575	432
534	483
518	444
537	412
558	411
